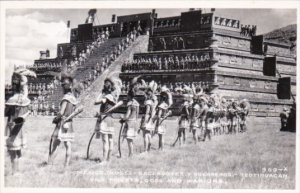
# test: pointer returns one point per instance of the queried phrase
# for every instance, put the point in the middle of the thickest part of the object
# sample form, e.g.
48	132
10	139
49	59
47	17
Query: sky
28	31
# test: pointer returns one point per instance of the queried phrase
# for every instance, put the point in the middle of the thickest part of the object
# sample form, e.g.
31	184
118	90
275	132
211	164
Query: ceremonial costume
184	116
203	114
183	120
104	126
210	118
233	116
185	108
195	114
109	98
147	123
284	119
202	98
148	120
64	130
108	101
243	113
161	127
223	114
16	109
210	126
131	121
162	110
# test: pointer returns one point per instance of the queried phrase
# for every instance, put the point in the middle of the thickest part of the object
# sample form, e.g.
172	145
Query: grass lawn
227	161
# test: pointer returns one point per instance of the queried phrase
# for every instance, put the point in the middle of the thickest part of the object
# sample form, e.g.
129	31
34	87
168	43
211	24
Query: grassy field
227	161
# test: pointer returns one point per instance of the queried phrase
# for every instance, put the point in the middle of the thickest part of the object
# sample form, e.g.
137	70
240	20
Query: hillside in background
286	34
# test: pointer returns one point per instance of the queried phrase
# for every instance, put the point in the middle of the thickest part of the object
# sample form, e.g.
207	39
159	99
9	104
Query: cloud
28	34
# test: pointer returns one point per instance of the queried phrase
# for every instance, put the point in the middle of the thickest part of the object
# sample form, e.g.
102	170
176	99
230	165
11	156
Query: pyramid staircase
87	98
83	71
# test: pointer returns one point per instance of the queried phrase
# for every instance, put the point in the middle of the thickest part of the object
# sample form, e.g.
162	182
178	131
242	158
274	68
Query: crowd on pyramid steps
40	106
103	64
79	57
168	63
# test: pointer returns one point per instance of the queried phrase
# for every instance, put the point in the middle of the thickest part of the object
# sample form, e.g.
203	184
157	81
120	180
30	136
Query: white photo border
5	5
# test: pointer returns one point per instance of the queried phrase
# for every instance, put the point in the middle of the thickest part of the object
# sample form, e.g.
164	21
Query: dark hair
69	84
108	90
149	90
16	86
132	93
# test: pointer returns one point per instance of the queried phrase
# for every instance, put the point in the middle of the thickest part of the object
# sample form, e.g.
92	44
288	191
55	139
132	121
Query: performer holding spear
69	108
243	113
16	109
108	101
203	115
233	110
131	117
162	113
147	122
184	119
184	123
195	115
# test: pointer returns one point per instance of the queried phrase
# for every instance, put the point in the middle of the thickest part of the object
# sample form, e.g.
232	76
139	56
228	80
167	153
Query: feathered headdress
178	89
21	97
67	72
152	86
197	92
133	87
233	101
187	89
216	100
117	85
203	97
135	81
25	72
245	104
165	90
187	93
186	96
144	84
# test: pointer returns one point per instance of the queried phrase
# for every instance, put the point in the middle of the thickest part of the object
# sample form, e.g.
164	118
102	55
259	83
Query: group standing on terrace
188	62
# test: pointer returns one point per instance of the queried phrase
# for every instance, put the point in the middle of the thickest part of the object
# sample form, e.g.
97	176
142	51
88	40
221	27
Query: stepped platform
88	97
45	75
238	65
211	50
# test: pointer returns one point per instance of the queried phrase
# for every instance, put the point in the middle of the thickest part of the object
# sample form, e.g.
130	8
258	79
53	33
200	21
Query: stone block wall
236	73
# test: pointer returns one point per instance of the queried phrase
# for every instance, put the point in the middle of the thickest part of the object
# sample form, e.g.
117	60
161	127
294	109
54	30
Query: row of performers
168	63
195	115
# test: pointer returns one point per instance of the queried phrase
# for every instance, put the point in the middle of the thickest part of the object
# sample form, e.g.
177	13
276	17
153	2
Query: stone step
83	72
88	97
